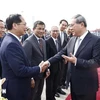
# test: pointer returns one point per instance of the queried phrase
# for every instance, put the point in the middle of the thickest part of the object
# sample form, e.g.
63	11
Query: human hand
47	73
65	61
43	66
46	63
71	59
32	83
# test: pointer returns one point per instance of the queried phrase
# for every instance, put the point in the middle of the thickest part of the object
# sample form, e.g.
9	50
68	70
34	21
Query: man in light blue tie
83	65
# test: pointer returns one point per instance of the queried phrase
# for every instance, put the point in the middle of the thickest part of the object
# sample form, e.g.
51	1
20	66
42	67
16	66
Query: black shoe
61	92
57	95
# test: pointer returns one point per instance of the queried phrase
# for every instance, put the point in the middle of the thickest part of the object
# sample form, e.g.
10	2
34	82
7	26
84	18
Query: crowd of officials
68	53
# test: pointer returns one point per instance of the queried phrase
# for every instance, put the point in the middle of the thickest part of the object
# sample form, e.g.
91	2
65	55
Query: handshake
44	65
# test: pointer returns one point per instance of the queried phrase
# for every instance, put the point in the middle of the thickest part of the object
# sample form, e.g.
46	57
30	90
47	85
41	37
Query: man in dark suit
69	32
83	61
52	45
26	35
2	30
46	35
15	66
35	48
63	39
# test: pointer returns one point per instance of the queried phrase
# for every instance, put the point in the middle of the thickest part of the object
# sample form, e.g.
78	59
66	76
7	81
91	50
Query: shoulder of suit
93	35
49	39
30	39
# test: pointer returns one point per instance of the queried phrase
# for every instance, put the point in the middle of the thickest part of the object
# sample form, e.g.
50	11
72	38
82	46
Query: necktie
56	41
77	44
41	44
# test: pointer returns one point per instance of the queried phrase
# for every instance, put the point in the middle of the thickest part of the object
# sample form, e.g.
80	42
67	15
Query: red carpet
68	97
98	93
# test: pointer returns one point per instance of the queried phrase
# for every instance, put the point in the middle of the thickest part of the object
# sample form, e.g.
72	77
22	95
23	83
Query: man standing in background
63	39
35	48
2	30
26	35
52	45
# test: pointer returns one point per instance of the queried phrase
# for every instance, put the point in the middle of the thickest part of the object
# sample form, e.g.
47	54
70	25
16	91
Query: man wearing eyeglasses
15	65
83	56
52	47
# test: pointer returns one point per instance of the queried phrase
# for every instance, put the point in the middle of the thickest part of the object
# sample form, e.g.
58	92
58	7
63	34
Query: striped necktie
41	44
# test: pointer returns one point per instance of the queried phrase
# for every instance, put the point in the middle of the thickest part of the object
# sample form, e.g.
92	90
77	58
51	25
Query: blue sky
52	11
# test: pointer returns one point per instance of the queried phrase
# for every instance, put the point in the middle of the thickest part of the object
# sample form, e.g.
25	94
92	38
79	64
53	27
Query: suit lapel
59	40
20	46
44	49
73	44
53	45
36	44
70	45
83	44
14	38
65	37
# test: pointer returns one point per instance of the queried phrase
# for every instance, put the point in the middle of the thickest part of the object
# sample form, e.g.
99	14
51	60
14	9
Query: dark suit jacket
33	51
65	41
25	36
51	51
0	61
84	78
16	70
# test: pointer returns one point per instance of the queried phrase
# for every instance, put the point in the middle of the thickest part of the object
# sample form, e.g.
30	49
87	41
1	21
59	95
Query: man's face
21	27
2	28
29	31
75	27
39	30
54	32
63	26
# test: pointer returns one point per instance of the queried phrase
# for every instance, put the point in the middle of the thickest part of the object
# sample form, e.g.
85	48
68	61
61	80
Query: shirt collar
14	36
36	37
83	36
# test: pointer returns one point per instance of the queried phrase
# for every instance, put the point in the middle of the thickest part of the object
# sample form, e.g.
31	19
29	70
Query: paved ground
62	97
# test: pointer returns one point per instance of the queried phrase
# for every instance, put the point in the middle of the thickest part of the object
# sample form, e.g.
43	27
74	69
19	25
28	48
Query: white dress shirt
62	37
79	41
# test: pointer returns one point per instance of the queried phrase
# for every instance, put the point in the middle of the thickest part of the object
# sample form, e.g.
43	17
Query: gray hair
79	19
